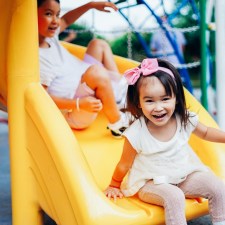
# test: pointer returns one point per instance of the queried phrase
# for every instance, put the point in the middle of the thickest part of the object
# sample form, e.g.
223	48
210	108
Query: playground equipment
55	169
156	11
154	17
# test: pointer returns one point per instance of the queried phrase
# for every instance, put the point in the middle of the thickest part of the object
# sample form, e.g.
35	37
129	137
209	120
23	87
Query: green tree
120	46
83	34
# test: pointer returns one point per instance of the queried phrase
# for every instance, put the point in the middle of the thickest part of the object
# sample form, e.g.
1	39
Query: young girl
163	169
79	88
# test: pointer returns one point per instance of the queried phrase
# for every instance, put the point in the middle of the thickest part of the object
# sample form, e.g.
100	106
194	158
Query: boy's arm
70	17
209	133
61	102
88	103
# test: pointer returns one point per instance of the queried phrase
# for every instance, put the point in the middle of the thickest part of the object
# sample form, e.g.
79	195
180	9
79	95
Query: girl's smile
156	105
159	117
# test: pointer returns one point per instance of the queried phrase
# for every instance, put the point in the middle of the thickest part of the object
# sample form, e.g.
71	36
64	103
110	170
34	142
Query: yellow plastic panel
54	169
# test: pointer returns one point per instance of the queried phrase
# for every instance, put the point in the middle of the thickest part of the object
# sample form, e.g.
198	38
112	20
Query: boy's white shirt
60	70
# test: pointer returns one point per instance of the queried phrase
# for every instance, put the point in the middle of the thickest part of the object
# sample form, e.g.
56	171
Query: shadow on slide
55	169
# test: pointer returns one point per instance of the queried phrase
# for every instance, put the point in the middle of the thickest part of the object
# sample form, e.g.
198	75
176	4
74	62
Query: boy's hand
90	104
102	6
112	192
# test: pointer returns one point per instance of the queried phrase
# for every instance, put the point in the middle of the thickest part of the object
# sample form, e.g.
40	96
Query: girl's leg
166	195
100	50
207	185
97	79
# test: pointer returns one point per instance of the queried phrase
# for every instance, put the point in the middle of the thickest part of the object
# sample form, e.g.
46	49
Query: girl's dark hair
171	85
40	2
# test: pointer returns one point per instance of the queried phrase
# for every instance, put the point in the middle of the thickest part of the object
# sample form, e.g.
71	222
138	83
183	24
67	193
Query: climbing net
130	31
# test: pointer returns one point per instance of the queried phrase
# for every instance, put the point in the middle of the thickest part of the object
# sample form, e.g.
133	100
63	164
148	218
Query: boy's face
48	18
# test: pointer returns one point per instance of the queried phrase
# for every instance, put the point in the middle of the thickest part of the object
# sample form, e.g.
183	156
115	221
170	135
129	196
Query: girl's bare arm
209	133
125	163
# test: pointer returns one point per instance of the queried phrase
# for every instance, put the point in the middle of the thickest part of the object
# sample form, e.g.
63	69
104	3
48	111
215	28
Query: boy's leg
100	50
207	185
114	75
97	79
166	195
99	53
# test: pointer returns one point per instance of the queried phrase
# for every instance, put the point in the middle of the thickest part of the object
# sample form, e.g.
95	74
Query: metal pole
203	54
220	65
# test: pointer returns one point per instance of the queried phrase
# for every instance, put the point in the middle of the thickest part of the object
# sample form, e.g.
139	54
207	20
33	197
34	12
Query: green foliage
83	35
120	46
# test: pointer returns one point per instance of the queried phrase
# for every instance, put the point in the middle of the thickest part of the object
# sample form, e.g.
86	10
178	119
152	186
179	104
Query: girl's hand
90	104
102	6
112	192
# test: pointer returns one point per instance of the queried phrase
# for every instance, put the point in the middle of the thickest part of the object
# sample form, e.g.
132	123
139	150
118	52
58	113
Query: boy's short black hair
40	2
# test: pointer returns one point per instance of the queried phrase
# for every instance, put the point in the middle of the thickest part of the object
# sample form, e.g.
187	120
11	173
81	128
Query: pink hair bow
148	67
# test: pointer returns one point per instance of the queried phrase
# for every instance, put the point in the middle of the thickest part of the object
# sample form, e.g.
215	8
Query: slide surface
61	171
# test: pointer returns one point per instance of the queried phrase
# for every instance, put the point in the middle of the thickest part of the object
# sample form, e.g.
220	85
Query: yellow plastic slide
55	169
